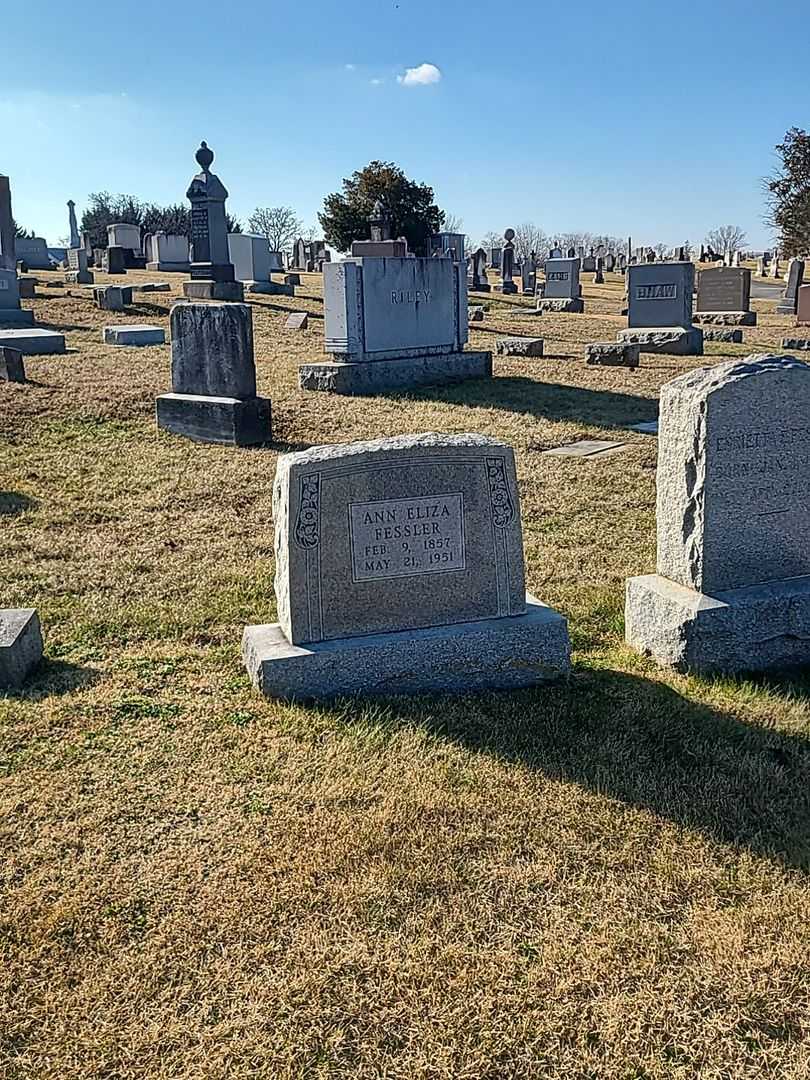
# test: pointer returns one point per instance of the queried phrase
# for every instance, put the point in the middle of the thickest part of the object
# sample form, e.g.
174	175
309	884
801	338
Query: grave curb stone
220	420
373	376
21	645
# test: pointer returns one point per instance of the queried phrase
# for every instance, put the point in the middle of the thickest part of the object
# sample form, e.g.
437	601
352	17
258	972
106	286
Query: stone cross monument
212	273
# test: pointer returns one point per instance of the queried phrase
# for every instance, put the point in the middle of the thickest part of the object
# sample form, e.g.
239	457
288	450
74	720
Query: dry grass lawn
605	880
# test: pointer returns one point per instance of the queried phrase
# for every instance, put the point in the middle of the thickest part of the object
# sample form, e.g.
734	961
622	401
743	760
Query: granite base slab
134	335
520	346
379	376
16	317
268	288
734	337
169	267
33	342
20	645
214	290
574	306
491	654
228	421
673	340
756	628
799	344
725	318
612	354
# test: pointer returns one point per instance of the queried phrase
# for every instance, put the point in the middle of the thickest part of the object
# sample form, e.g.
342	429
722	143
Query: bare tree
662	250
491	240
726	239
279	224
528	238
452	223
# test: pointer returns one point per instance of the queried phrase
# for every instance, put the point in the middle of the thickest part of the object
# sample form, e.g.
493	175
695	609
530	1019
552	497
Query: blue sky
631	118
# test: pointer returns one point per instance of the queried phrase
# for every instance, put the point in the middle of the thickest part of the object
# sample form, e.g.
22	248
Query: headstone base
725	318
229	421
675	340
755	628
520	346
79	277
574	306
479	288
612	354
20	645
33	342
491	654
269	288
169	267
508	288
134	335
16	317
800	344
379	376
214	290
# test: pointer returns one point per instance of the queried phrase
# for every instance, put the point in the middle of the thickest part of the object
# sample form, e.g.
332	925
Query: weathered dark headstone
790	300
212	272
12	368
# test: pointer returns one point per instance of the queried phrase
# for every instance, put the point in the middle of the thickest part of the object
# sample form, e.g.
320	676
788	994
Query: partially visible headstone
399	569
528	276
475	313
789	302
75	240
115	260
803	306
10	310
508	286
519	346
732	592
112	297
33	251
212	272
250	255
799	344
77	272
612	354
479	282
586	448
21	646
12	368
729	335
725	291
213	395
27	287
297	320
292	279
167	253
448	244
495	258
124	236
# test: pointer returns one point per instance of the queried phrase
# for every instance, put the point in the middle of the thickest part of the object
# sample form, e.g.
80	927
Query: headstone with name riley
732	592
399	569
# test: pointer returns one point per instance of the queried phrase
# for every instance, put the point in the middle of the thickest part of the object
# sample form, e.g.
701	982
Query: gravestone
250	255
297	320
399	569
528	276
77	272
20	646
75	240
727	334
394	323
660	309
12	368
112	297
612	354
11	313
134	336
167	253
479	282
276	262
803	306
27	287
212	273
589	263
448	244
599	276
724	297
32	341
124	236
520	346
732	592
380	245
507	286
213	395
571	253
610	262
33	251
115	260
562	290
495	258
789	302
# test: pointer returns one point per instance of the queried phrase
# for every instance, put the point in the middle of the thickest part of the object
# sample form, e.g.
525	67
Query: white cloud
423	75
349	67
376	82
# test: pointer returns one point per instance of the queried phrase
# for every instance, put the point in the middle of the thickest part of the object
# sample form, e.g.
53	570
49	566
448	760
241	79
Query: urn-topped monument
212	273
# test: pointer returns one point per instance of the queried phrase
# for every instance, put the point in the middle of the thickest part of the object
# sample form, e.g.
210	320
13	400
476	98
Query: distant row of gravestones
400	566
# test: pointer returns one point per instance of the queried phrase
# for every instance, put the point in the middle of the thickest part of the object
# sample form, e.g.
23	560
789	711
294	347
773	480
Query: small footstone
134	335
586	448
298	320
152	286
12	368
673	340
572	306
268	288
112	297
613	353
20	645
800	344
646	427
476	314
28	288
519	346
33	342
725	318
733	336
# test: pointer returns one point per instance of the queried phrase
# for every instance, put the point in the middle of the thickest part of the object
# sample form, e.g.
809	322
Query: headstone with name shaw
724	297
660	309
562	290
394	323
399	569
212	273
213	395
788	304
732	592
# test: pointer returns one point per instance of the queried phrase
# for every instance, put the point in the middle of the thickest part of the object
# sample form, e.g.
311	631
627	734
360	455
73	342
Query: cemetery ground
604	879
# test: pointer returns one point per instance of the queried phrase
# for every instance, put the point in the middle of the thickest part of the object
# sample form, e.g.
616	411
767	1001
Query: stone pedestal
229	421
20	645
725	318
748	629
230	291
491	654
377	376
674	340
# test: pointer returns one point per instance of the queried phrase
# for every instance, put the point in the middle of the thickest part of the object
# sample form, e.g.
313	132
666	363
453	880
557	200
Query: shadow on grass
52	678
641	742
549	401
13	503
